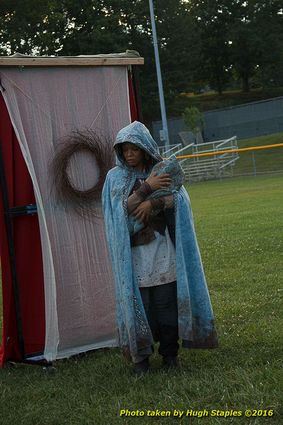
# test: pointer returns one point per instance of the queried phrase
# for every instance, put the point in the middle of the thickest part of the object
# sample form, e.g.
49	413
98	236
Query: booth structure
57	284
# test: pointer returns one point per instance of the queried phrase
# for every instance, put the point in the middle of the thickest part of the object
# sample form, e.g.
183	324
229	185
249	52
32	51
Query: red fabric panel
133	104
27	250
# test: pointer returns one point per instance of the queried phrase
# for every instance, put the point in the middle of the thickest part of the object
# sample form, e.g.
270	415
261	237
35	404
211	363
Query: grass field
210	101
239	227
265	160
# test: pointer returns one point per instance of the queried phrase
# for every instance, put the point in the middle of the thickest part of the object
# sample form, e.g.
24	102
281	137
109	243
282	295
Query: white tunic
155	263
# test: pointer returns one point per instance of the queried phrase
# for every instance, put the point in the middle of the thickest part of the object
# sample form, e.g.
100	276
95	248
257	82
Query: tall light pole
164	136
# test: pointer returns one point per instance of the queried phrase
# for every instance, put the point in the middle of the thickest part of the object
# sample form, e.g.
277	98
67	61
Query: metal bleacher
206	167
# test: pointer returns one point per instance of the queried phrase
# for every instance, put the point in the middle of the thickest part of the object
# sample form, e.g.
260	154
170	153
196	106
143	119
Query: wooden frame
70	61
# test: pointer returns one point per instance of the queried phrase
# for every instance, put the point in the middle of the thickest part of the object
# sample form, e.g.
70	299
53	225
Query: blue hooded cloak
195	315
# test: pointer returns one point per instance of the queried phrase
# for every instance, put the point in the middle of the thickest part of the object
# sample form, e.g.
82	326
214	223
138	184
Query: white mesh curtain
46	104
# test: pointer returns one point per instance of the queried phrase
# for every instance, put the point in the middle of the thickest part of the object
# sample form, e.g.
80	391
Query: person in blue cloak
161	290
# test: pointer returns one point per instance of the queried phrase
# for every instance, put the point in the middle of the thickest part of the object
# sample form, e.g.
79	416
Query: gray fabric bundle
169	166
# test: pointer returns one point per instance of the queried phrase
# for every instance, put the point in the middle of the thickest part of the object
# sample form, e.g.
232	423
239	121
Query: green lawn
210	101
239	227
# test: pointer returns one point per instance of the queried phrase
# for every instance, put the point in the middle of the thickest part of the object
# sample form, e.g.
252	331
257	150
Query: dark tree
213	18
31	27
256	36
201	42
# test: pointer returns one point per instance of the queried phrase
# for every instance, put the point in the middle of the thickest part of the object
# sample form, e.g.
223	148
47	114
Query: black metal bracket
30	209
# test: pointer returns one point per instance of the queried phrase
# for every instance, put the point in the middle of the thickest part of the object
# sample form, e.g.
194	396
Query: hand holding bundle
169	166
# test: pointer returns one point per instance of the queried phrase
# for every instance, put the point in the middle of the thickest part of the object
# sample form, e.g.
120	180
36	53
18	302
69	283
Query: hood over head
139	135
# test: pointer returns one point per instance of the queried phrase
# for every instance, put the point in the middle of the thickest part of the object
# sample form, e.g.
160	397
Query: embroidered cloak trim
195	315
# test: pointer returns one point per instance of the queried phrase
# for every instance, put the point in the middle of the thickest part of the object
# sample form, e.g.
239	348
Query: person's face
133	155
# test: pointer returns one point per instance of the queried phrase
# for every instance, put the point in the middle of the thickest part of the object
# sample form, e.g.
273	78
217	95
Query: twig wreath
84	201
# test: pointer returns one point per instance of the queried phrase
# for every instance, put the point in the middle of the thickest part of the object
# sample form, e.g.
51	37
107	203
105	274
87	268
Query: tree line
218	44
